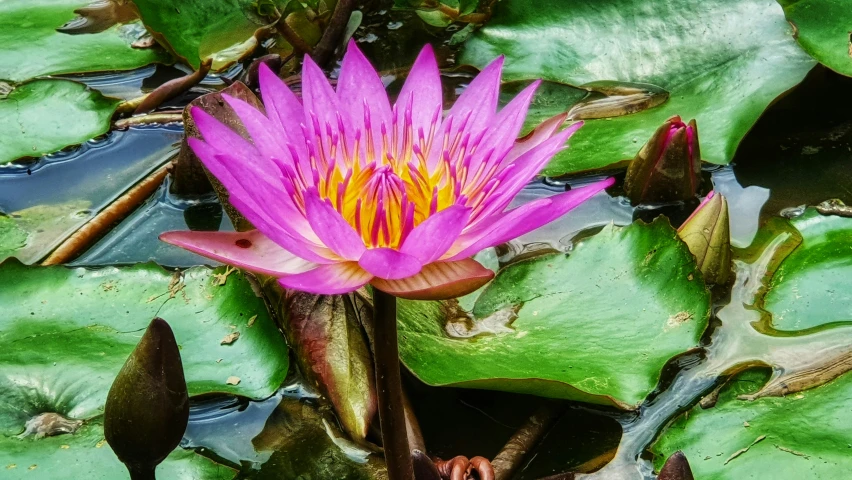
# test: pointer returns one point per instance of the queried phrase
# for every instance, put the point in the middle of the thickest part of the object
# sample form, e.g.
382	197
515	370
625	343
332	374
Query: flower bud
707	233
147	408
676	468
668	168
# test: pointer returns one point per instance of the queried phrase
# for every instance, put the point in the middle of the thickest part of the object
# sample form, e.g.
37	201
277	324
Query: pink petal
220	136
389	264
421	94
479	99
320	103
256	192
251	250
332	279
432	238
525	219
332	229
280	103
542	132
438	281
510	120
519	174
283	108
359	88
263	132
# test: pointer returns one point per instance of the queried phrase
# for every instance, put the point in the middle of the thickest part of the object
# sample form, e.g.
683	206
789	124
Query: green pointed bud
707	233
676	468
668	168
147	408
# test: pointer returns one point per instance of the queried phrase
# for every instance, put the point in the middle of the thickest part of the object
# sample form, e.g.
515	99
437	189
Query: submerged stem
389	388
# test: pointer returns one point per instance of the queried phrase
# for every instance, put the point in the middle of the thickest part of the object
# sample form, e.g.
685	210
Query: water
772	171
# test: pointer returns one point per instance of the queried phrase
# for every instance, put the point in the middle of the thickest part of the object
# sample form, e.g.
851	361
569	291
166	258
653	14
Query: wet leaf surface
33	47
69	331
717	72
822	29
85	454
595	326
198	29
813	285
35	118
804	435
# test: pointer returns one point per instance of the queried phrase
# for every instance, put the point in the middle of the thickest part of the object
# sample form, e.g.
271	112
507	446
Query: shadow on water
801	148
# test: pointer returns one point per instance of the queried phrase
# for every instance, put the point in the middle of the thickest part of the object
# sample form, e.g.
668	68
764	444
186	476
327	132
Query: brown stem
100	224
389	387
292	37
149	119
525	439
412	426
173	88
331	35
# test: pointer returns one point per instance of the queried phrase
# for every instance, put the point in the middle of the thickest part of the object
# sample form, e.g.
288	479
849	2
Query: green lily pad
44	116
716	71
85	454
822	29
813	285
32	47
198	29
788	438
596	326
67	332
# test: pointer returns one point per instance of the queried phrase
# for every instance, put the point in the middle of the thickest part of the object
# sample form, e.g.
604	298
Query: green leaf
717	71
67	332
85	454
32	46
813	285
199	29
805	435
44	116
595	326
823	29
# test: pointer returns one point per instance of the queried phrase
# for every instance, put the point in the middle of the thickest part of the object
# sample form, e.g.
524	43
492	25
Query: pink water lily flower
345	189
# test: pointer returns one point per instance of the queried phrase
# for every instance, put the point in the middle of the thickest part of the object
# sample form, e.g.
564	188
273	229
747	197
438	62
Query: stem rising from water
389	388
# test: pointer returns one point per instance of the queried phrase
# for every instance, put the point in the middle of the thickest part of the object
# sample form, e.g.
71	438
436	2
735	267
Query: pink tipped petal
281	104
320	101
526	218
510	120
421	93
218	135
432	238
539	135
438	281
332	229
358	88
389	263
283	108
250	250
256	190
479	100
261	130
523	170
333	279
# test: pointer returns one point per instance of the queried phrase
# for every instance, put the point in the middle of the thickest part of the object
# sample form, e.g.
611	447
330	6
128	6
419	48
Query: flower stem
389	388
142	472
